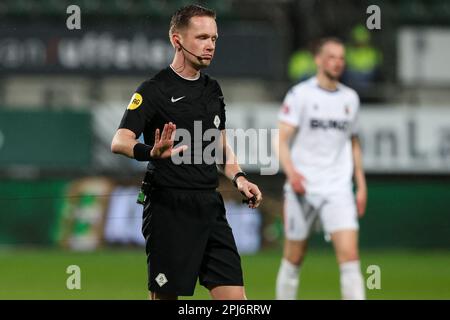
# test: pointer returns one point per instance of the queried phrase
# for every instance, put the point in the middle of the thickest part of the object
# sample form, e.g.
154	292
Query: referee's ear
175	40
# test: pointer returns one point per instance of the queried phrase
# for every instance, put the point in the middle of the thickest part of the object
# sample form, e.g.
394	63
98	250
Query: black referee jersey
165	98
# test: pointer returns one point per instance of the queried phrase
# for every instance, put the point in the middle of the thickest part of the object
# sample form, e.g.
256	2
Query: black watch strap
237	175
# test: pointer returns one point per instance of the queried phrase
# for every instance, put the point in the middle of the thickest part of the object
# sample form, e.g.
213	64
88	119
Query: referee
184	224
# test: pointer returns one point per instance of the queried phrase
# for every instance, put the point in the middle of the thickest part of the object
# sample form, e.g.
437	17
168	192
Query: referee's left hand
163	144
249	190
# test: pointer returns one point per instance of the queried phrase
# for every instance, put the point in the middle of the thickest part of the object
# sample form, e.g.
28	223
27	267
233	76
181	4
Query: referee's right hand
163	146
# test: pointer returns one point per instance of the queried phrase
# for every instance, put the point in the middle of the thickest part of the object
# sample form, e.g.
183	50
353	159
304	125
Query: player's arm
286	132
359	176
230	168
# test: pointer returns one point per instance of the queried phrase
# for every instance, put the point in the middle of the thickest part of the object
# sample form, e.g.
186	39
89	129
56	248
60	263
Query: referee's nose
210	46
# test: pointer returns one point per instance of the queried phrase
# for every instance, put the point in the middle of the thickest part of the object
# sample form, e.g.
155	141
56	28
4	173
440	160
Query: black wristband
237	175
142	152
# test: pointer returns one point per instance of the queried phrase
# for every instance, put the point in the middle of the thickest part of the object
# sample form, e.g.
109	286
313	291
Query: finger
249	201
298	188
164	132
257	196
360	208
246	192
253	204
360	213
169	131
258	199
301	184
178	150
172	132
302	188
174	128
253	188
156	136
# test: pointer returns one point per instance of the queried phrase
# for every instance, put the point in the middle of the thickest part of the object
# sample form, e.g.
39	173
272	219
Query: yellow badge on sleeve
135	101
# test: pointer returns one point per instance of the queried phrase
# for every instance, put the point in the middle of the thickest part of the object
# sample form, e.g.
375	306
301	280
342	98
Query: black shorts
187	238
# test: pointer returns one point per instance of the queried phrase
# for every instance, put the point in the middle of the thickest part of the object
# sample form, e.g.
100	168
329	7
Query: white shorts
334	213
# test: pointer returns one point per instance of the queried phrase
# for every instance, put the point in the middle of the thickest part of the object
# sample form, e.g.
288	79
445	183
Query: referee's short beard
202	63
196	62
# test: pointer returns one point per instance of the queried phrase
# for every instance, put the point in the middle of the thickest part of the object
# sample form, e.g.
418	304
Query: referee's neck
184	69
184	77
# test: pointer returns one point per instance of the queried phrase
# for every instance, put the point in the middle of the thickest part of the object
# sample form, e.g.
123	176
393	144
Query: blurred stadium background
66	200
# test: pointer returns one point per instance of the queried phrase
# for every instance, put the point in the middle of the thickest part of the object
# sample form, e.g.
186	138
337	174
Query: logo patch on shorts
217	121
135	101
161	279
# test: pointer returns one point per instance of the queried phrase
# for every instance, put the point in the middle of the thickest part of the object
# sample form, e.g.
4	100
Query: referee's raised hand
163	146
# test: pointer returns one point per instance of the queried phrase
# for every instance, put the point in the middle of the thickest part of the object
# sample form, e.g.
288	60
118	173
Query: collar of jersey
316	82
184	78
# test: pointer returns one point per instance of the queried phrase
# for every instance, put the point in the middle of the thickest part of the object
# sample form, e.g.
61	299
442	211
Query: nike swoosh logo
177	99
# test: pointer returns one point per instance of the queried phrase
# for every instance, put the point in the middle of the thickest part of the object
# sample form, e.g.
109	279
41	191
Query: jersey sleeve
355	122
139	111
291	109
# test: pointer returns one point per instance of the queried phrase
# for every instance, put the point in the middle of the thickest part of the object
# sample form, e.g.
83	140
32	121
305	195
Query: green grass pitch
121	274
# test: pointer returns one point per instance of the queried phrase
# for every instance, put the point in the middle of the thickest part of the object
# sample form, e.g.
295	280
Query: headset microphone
198	57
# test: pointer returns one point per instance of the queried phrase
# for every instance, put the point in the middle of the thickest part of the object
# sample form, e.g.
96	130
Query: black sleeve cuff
142	152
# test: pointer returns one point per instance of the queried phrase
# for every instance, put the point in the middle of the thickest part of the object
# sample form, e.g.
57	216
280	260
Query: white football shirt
321	149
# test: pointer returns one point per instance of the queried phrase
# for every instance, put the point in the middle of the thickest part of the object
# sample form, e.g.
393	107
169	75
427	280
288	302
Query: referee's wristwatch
237	175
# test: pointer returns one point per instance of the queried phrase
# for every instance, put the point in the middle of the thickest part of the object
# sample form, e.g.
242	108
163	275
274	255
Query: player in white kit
320	153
